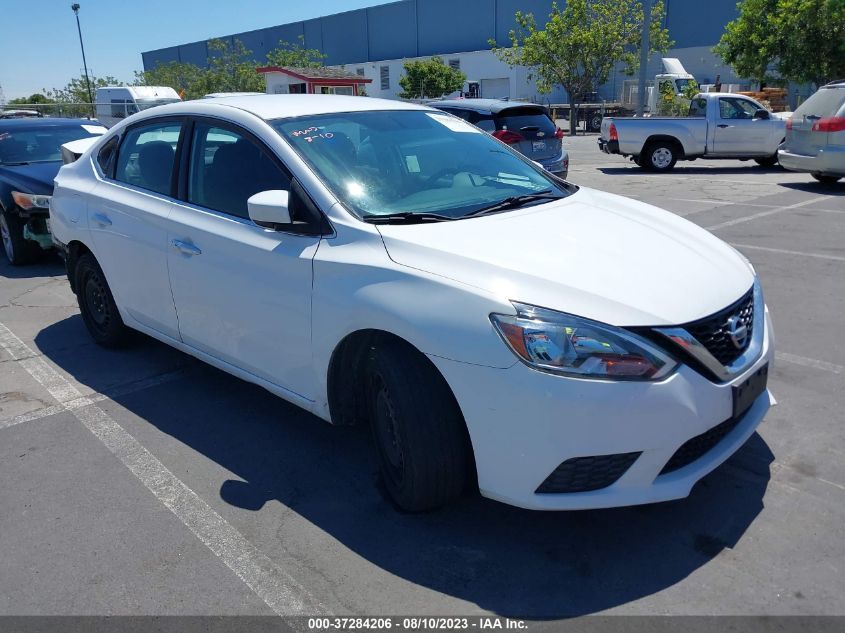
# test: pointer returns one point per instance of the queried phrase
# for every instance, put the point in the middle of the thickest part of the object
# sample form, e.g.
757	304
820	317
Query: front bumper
829	161
524	424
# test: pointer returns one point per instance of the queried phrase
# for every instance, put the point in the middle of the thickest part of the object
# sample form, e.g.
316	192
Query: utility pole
644	47
75	8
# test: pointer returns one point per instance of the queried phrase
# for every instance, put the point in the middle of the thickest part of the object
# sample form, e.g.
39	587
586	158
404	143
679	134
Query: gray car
815	135
527	127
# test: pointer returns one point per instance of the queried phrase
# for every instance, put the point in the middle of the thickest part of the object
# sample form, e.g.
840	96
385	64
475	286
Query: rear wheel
96	303
417	427
660	156
824	179
18	249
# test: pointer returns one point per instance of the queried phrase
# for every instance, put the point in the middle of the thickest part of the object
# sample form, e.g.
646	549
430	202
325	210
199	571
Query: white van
118	102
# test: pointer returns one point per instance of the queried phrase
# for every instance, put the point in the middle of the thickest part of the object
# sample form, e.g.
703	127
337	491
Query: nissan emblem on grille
737	330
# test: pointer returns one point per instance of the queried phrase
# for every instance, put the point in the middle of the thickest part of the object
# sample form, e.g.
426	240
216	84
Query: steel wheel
661	158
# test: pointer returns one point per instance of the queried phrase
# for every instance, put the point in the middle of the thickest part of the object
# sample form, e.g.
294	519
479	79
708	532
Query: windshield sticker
94	129
453	123
312	134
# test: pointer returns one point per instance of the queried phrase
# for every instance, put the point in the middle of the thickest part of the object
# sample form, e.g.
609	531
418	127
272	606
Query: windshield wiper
406	217
514	201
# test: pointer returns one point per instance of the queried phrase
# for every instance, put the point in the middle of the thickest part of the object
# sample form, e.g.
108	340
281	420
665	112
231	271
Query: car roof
493	106
270	107
45	122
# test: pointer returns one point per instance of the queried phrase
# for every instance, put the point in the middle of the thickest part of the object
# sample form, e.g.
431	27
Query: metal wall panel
505	10
446	26
392	30
194	53
152	59
313	30
345	37
289	33
698	23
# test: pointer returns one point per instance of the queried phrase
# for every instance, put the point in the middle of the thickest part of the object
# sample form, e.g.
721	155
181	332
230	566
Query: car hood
593	254
32	178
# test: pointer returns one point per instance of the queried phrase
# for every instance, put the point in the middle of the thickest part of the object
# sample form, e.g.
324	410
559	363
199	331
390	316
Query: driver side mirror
269	208
761	114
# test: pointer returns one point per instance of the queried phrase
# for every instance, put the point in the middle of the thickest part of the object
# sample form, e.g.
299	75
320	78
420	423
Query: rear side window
525	120
698	107
146	155
826	102
227	168
107	155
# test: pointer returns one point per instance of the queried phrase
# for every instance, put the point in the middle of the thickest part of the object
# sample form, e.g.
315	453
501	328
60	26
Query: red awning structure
286	79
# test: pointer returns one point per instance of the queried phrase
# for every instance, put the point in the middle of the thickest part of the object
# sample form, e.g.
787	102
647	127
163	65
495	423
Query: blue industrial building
365	40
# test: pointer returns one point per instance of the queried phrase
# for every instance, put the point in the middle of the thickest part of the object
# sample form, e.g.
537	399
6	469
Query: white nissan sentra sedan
386	263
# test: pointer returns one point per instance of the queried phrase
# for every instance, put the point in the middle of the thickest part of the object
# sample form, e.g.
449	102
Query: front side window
732	108
412	161
146	155
227	168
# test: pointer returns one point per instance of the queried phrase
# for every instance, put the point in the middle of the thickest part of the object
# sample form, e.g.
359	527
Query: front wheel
417	428
18	249
96	303
825	179
660	156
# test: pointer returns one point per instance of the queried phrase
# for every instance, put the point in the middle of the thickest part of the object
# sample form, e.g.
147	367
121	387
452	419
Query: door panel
243	294
128	222
738	132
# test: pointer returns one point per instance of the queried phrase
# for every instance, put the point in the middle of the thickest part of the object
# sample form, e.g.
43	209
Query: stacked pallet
772	98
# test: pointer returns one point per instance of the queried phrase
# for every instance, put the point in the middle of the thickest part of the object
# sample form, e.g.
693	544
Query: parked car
29	160
719	125
815	135
526	127
383	262
19	114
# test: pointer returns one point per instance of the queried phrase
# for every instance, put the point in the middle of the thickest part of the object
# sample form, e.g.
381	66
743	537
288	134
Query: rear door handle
724	125
186	247
102	219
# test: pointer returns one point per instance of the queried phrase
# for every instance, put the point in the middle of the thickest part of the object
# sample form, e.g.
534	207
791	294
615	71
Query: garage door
495	88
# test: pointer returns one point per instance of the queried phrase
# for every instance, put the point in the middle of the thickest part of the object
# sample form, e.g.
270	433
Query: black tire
824	179
659	156
769	161
96	303
594	122
19	250
417	427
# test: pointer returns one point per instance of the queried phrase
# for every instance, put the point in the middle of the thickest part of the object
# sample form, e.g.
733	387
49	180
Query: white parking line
78	403
810	362
763	214
272	584
783	251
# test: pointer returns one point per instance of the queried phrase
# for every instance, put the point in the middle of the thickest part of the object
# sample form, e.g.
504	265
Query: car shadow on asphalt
50	265
688	170
507	560
818	188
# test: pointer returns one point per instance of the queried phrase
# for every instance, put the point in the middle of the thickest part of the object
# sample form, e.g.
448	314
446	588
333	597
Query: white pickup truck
719	125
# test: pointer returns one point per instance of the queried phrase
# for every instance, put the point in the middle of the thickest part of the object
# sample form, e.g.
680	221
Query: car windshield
42	143
414	162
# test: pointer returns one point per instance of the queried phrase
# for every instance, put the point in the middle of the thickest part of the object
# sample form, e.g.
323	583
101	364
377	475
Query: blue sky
39	47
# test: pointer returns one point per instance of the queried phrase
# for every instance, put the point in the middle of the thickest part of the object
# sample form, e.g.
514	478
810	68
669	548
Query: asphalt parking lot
142	481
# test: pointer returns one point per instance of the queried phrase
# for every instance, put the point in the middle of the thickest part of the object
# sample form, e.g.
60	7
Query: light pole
75	8
644	49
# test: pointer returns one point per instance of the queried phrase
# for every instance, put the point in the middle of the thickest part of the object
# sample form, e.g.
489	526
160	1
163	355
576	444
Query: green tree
795	40
430	78
581	44
38	98
295	55
189	80
670	103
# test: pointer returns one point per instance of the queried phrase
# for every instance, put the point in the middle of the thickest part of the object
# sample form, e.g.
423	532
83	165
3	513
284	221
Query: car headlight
565	344
29	201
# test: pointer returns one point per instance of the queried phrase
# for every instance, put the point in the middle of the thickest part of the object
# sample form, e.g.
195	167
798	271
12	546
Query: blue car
30	158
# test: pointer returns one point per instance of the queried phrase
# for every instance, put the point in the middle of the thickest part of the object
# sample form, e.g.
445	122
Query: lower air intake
582	474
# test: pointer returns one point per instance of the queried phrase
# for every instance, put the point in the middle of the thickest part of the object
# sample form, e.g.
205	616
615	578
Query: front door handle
186	247
102	219
723	125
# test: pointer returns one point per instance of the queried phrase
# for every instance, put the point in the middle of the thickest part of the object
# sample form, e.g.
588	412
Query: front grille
698	446
581	474
713	333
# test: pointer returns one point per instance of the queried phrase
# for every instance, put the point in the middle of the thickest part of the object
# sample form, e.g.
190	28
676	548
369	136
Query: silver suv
815	135
527	127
